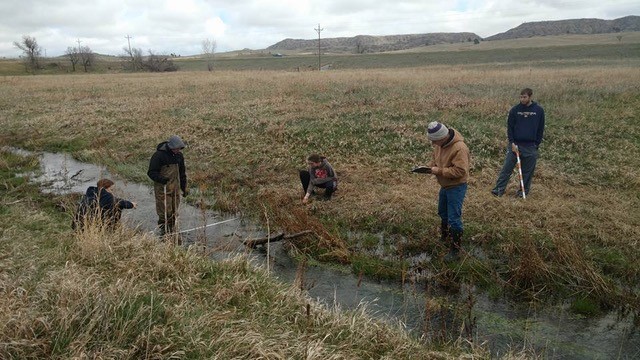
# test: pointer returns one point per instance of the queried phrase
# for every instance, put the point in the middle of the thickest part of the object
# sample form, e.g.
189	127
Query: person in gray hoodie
168	172
319	174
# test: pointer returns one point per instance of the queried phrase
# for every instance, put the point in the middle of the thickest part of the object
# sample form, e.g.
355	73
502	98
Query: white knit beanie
436	131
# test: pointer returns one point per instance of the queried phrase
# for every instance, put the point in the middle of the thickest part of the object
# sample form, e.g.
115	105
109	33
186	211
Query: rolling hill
576	26
373	44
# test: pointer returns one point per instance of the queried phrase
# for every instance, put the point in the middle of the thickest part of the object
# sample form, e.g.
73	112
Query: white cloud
179	26
216	27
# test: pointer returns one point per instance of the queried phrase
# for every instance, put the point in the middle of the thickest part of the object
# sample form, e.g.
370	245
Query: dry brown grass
122	295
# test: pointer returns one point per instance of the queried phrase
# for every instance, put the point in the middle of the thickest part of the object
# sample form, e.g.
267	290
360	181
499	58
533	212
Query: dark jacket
95	202
525	125
164	157
108	203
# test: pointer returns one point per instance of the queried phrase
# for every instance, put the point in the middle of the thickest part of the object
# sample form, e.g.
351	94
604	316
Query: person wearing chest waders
168	172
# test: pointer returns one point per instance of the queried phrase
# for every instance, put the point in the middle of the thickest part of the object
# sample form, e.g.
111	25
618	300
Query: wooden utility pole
133	61
319	30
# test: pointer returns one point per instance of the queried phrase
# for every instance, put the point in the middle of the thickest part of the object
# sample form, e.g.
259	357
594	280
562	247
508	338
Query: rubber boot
444	231
456	245
172	234
161	229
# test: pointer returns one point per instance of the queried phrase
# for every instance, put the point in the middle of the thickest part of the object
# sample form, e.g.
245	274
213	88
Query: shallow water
554	333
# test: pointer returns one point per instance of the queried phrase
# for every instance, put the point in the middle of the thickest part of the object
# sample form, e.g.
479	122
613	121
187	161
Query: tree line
133	59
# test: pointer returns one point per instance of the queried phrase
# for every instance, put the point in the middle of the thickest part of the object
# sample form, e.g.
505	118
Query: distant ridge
575	26
373	44
369	44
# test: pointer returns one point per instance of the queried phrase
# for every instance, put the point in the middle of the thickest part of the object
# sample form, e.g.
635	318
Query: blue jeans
528	159
450	206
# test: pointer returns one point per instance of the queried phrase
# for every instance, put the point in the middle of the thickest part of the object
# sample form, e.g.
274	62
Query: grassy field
575	238
11	67
510	57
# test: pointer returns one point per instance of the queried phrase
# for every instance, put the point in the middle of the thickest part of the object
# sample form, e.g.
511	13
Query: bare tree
31	50
152	62
73	55
87	57
159	63
135	58
209	50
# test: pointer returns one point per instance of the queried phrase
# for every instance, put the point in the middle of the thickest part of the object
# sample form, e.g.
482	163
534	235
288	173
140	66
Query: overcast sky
180	26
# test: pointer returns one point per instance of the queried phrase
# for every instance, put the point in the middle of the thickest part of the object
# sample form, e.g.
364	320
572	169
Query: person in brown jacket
450	165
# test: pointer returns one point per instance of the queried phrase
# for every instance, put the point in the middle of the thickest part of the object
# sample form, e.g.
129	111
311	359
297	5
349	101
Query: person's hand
164	181
514	147
135	205
305	199
435	170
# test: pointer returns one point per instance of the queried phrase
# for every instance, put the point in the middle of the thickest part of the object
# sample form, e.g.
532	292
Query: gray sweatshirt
321	175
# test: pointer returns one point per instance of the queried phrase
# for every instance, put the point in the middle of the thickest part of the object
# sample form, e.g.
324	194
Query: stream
553	332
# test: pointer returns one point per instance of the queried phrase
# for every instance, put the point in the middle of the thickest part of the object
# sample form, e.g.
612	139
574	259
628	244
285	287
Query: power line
129	42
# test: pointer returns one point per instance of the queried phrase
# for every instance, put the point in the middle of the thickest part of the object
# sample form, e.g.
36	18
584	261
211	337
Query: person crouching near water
319	174
450	165
99	203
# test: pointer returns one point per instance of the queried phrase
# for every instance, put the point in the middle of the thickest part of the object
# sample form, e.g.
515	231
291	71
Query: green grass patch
377	268
585	306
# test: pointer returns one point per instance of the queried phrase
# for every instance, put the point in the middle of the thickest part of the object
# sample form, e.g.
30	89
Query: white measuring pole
524	196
